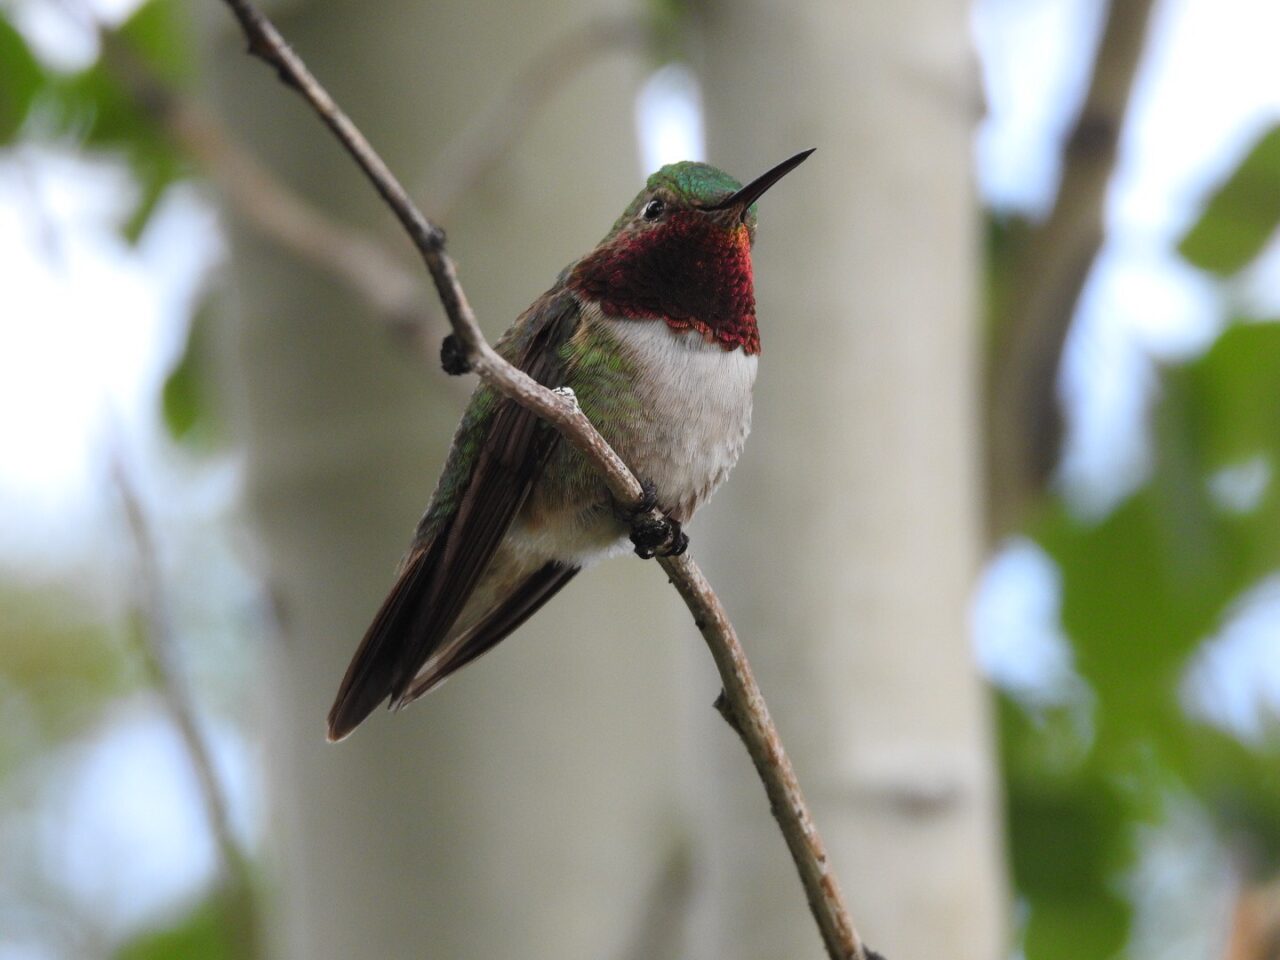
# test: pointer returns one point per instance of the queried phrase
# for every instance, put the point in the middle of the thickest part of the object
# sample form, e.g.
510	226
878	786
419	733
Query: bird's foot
453	356
658	537
679	540
652	536
648	500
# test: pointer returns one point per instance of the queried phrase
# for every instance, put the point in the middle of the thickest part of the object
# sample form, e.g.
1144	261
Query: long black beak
752	192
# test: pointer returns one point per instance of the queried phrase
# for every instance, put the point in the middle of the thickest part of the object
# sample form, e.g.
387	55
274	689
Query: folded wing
498	455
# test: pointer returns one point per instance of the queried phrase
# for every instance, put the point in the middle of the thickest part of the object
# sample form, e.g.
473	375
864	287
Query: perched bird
655	332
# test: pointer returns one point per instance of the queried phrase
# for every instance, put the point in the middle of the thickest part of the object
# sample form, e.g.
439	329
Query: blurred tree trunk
524	809
854	515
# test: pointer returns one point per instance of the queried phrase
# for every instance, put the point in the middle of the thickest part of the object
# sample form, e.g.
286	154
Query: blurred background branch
489	137
375	272
1254	932
160	649
1052	261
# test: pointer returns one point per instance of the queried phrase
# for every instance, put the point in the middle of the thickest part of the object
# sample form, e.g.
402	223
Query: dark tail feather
379	660
513	610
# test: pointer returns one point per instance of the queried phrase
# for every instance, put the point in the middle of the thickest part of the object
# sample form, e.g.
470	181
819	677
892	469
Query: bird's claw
652	536
648	534
658	537
648	500
679	540
453	356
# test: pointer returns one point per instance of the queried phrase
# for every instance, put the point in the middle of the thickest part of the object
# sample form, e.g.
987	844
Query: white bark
854	515
525	808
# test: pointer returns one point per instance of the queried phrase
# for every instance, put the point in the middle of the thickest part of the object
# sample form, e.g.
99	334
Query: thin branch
266	43
1253	931
1025	419
160	650
476	152
742	705
369	268
747	707
364	263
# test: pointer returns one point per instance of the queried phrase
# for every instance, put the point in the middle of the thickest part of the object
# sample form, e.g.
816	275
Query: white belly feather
692	416
696	397
694	408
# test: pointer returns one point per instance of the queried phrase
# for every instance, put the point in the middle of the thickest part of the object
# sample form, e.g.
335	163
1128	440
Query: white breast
696	400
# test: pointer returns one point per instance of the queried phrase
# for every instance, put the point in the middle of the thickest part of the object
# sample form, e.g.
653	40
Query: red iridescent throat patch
691	272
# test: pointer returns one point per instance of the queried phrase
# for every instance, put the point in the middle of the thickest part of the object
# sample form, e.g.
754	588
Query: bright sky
91	327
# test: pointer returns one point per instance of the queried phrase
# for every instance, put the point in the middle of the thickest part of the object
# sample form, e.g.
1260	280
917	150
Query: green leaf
94	107
21	79
160	33
99	109
1146	586
107	113
1142	591
187	396
1069	829
1005	240
201	935
1065	835
180	399
60	662
1139	593
1232	396
1242	215
1239	785
1227	408
1086	923
155	173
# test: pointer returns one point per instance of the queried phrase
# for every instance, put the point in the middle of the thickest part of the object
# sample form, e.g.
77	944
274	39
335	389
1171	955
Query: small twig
1025	420
472	155
748	708
266	43
742	705
1253	932
159	648
368	267
365	264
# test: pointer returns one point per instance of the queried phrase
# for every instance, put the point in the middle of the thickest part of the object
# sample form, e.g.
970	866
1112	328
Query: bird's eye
653	209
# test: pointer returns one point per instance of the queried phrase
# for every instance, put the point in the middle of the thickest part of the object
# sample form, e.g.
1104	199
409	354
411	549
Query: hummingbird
654	332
